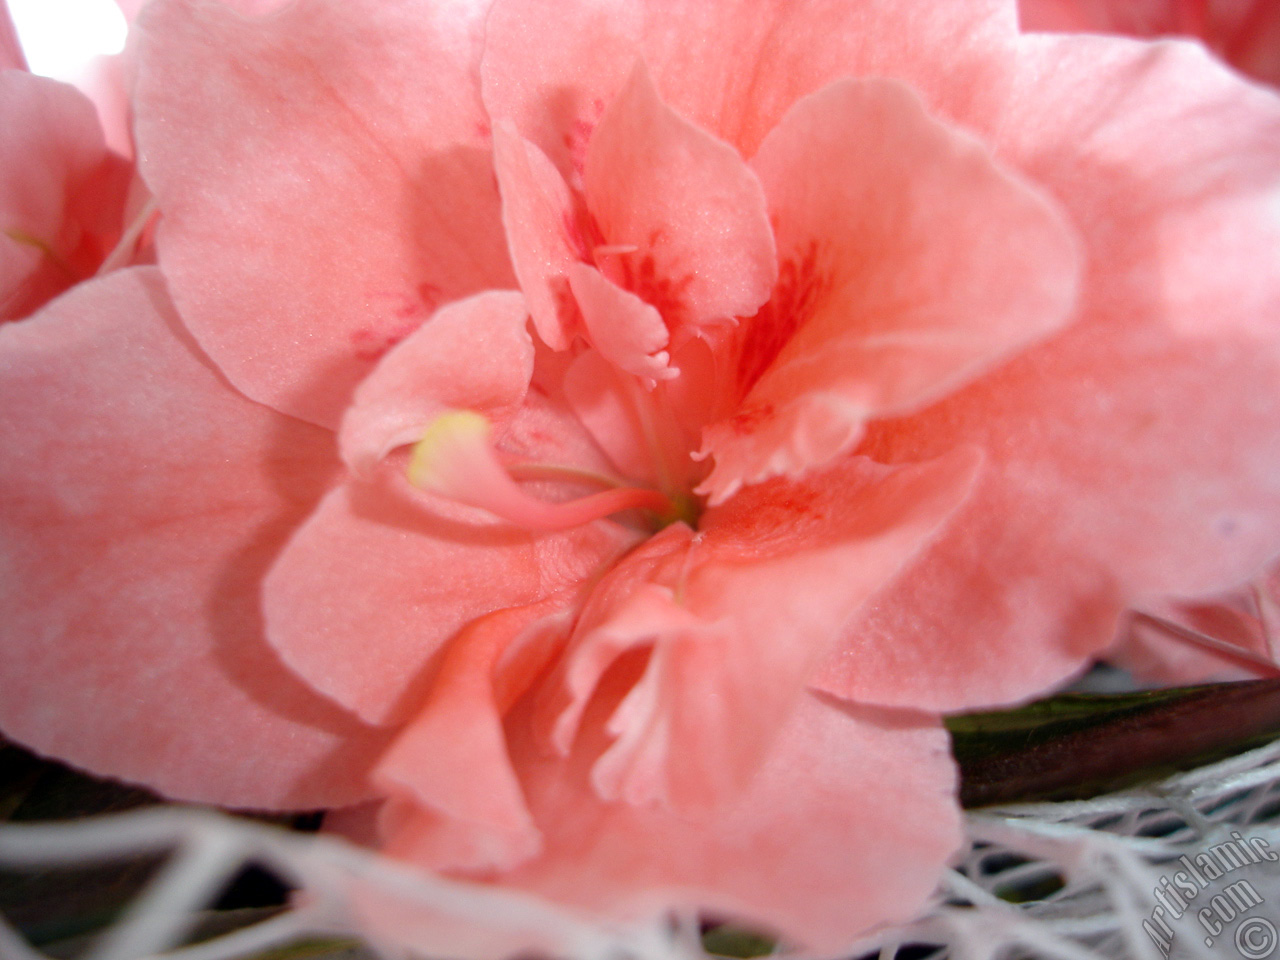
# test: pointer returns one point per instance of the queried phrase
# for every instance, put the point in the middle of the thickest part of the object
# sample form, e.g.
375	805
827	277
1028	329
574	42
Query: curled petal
780	851
393	572
456	459
474	355
625	330
543	232
736	619
1134	455
689	206
452	759
913	263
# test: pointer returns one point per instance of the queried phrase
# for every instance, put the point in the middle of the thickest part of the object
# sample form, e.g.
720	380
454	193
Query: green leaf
1075	746
728	940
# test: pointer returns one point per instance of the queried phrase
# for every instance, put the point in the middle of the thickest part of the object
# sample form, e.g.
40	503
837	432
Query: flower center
456	459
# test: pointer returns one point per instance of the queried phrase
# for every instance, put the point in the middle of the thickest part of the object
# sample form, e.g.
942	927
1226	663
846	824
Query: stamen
455	459
552	471
27	240
127	245
1237	656
609	249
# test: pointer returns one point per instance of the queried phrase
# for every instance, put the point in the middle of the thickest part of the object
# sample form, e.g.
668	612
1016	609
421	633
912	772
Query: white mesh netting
1181	868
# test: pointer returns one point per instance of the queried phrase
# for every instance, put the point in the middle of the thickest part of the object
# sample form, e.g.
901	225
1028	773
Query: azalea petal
689	205
249	8
733	67
143	499
381	576
738	619
11	55
608	403
1245	33
1252	42
61	191
542	224
1137	17
630	608
457	917
452	757
316	212
474	354
1134	455
371	587
785	853
1154	653
912	264
626	330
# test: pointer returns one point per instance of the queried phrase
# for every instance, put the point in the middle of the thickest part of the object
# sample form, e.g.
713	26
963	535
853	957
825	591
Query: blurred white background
60	37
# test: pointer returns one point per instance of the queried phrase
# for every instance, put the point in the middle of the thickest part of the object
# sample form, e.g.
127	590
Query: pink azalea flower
1245	33
608	436
62	191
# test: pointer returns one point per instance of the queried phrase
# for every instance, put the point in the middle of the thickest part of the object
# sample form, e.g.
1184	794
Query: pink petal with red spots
737	619
913	264
687	203
475	354
143	499
315	210
733	67
776	854
1133	455
61	191
543	231
626	330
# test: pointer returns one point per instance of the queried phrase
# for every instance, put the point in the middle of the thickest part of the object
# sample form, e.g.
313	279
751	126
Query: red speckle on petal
779	512
404	315
578	136
371	345
430	295
800	286
583	233
745	421
638	272
566	305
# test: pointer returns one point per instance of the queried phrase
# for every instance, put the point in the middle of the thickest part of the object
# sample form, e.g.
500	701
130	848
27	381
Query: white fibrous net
1179	868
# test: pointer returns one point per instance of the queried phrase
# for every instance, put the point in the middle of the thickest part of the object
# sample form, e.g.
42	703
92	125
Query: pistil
455	458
